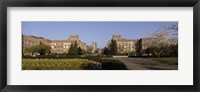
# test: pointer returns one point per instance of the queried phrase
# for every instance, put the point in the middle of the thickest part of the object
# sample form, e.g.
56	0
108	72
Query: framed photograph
74	45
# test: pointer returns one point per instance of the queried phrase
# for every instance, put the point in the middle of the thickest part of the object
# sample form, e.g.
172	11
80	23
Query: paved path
145	64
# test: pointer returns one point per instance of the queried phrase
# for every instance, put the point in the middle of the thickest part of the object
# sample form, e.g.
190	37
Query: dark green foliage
41	49
91	66
174	50
93	58
113	47
131	53
54	56
70	52
105	56
106	51
150	50
79	51
144	51
112	64
166	51
73	49
112	50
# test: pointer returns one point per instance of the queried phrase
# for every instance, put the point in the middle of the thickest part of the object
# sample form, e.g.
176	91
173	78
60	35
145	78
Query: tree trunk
160	53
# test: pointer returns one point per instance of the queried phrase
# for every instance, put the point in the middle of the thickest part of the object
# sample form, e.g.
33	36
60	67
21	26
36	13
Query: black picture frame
98	3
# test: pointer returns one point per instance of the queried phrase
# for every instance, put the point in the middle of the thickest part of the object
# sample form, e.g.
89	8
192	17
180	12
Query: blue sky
89	32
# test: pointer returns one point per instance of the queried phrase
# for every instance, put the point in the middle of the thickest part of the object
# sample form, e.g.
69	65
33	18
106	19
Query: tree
131	53
28	50
160	41
162	38
79	51
167	51
143	51
73	49
70	52
41	49
106	51
113	47
174	50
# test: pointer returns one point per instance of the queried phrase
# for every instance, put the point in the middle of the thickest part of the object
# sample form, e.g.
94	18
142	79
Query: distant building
92	48
100	51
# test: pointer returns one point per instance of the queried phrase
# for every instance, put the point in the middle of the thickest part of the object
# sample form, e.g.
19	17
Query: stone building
29	41
57	46
130	45
123	45
143	43
62	46
92	48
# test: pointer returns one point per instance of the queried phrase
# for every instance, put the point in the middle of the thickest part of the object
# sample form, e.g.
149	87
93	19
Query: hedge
112	64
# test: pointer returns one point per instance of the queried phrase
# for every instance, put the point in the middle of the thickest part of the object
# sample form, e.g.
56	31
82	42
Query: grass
56	64
168	60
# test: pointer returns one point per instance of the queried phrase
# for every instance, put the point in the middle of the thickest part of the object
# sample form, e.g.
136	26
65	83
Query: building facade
123	45
29	41
92	48
127	46
57	46
62	46
143	43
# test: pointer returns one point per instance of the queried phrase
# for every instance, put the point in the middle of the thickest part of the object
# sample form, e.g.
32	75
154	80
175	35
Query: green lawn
58	64
168	60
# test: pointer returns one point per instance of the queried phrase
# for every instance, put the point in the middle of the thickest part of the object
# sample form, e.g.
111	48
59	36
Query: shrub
105	56
93	58
54	57
55	64
112	64
41	49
